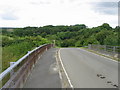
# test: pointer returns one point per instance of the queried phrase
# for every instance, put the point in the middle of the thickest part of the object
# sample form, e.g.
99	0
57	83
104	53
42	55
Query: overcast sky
22	13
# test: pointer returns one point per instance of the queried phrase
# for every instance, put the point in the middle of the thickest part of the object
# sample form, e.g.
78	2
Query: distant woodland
16	42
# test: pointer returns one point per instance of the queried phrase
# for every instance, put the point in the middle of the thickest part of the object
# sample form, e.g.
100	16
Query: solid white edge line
58	66
98	55
64	69
60	75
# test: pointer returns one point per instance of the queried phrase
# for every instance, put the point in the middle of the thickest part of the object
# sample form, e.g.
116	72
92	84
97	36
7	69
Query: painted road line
64	69
58	65
99	55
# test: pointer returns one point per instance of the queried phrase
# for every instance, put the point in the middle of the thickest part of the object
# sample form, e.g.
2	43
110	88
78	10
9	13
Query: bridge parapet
21	68
108	50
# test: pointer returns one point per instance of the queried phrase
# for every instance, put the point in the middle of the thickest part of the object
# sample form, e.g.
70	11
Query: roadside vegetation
13	48
17	42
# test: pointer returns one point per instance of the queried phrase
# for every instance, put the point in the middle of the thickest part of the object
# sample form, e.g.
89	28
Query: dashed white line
64	69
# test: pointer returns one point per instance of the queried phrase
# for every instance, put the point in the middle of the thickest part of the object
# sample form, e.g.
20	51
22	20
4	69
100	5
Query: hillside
74	35
19	41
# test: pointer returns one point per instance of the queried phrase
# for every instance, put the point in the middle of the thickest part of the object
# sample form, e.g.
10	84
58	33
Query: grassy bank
20	47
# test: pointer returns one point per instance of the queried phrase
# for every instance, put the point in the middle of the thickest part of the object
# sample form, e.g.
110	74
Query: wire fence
108	50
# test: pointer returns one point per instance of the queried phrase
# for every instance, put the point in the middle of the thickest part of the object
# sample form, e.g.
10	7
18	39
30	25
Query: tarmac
45	73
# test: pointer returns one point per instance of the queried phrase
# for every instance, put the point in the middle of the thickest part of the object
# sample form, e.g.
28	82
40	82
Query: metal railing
21	68
113	51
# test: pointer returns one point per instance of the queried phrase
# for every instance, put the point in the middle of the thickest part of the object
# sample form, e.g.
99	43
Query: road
88	70
45	73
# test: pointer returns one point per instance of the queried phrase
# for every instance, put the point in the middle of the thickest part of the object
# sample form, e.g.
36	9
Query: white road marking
60	75
64	69
99	55
58	66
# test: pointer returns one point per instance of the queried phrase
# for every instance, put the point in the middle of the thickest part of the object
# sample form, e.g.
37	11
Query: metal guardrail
113	51
21	68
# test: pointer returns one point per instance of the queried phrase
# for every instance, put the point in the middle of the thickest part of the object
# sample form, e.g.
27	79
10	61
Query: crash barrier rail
108	50
16	75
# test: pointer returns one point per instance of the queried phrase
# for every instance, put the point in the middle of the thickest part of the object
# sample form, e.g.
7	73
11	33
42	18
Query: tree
78	44
106	26
111	40
91	40
102	35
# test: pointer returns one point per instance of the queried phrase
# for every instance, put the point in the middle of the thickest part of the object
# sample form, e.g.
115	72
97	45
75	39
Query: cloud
107	4
110	8
9	17
22	13
8	13
39	2
119	4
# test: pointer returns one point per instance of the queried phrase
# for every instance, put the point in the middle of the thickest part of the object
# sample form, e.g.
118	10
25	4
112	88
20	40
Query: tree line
73	35
16	42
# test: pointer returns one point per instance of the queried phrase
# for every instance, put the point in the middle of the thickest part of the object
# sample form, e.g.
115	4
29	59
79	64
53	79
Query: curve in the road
86	70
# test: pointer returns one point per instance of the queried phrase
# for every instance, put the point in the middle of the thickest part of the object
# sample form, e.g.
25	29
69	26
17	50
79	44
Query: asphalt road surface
45	74
88	70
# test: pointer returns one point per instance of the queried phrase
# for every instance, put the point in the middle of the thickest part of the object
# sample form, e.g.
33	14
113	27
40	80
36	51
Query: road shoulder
66	83
45	72
102	55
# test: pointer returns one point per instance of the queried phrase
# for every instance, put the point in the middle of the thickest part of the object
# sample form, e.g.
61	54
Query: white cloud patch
8	15
38	2
53	12
106	7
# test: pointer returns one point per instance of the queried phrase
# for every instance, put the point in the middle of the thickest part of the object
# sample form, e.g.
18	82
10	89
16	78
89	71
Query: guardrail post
12	71
114	49
89	46
46	48
105	48
17	78
53	43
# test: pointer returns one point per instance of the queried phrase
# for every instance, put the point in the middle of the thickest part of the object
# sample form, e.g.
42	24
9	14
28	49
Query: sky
92	13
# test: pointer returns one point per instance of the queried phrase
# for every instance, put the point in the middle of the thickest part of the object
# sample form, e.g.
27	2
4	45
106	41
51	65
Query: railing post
114	49
46	48
105	48
18	78
12	71
54	42
89	46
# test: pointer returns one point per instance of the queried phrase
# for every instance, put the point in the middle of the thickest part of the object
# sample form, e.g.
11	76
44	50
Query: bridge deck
45	73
